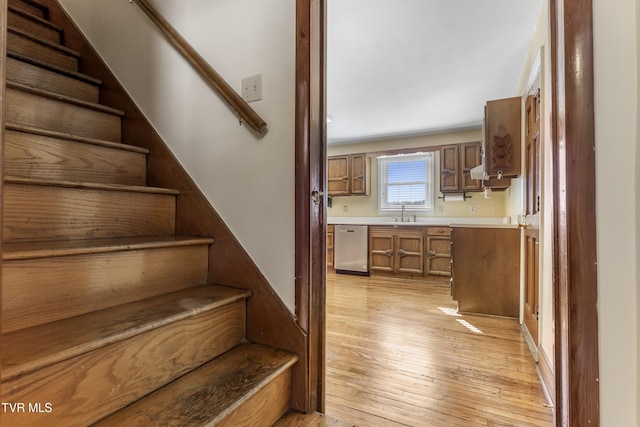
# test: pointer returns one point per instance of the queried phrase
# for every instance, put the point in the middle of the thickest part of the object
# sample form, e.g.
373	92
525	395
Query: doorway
574	354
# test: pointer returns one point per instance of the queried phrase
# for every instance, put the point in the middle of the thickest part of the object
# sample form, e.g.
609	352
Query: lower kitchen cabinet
329	243
396	249
438	251
410	251
486	270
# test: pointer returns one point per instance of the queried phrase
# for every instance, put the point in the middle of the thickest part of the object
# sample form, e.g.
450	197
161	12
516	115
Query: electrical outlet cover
252	88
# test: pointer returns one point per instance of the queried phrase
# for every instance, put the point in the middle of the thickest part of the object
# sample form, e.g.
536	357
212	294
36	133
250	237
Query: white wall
617	188
249	181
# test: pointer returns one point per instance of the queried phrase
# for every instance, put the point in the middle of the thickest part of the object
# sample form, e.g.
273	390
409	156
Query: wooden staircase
107	315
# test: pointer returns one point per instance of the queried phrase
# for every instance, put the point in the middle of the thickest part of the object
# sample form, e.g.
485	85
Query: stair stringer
269	322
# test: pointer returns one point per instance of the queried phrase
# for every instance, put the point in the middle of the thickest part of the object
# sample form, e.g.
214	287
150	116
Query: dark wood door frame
574	225
3	59
577	400
3	56
310	177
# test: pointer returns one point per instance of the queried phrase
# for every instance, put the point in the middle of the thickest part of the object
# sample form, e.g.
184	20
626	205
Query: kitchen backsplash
367	206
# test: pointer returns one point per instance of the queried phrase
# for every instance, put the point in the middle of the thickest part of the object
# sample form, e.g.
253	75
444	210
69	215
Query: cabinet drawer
439	231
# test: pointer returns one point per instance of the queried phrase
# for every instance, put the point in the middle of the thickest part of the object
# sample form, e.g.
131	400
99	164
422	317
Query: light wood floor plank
398	354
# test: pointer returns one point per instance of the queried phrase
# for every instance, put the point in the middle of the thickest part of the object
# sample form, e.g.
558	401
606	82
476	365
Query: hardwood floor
398	354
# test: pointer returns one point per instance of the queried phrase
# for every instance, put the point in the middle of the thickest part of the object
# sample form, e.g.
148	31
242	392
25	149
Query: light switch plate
252	88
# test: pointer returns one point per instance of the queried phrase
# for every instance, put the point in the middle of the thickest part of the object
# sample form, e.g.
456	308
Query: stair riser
34	212
27	8
33	27
265	407
86	388
37	111
49	289
23	46
36	156
31	75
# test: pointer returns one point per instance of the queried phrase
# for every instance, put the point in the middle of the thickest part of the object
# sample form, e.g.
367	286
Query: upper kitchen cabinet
502	137
456	162
348	175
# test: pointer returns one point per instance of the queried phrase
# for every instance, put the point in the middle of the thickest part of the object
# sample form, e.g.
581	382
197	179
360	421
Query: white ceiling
408	67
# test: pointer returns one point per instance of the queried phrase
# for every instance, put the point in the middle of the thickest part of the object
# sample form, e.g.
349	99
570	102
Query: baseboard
547	374
533	348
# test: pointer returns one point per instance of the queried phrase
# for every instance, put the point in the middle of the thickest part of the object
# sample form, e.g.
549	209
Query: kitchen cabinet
502	138
456	162
438	250
396	249
348	175
330	246
486	270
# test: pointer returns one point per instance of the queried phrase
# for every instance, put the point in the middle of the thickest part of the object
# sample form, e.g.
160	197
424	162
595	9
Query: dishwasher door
351	249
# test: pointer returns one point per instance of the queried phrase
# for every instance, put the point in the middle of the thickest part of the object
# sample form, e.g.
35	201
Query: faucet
402	213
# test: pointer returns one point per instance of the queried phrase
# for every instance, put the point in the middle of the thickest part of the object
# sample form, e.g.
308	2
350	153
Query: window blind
406	179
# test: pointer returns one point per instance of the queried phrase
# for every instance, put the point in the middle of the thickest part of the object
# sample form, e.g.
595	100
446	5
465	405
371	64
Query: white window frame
384	161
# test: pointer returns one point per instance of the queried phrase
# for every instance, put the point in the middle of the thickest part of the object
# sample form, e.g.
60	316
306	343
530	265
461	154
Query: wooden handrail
245	113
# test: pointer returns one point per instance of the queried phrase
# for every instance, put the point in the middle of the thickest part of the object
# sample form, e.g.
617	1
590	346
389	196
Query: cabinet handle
359	178
401	253
344	178
431	254
466	171
441	231
389	252
446	172
329	249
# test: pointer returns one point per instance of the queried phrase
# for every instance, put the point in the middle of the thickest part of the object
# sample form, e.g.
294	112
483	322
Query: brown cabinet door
338	175
449	164
330	234
439	255
381	251
469	159
359	172
409	253
502	137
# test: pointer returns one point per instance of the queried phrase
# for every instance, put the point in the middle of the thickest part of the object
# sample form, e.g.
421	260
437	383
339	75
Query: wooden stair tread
55	46
314	419
54	68
63	98
29	349
61	135
211	392
34	18
46	249
91	186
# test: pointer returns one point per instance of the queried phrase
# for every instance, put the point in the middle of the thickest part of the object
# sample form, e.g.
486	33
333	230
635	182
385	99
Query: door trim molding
310	175
575	252
3	56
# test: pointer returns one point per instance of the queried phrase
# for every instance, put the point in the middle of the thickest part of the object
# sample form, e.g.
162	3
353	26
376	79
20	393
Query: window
405	179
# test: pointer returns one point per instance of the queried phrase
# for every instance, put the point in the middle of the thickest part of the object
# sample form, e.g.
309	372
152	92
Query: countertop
484	225
502	222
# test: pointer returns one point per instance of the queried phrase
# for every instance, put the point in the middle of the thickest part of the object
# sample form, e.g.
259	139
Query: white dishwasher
351	249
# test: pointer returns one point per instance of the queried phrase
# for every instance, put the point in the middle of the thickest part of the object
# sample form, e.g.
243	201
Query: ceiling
409	67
